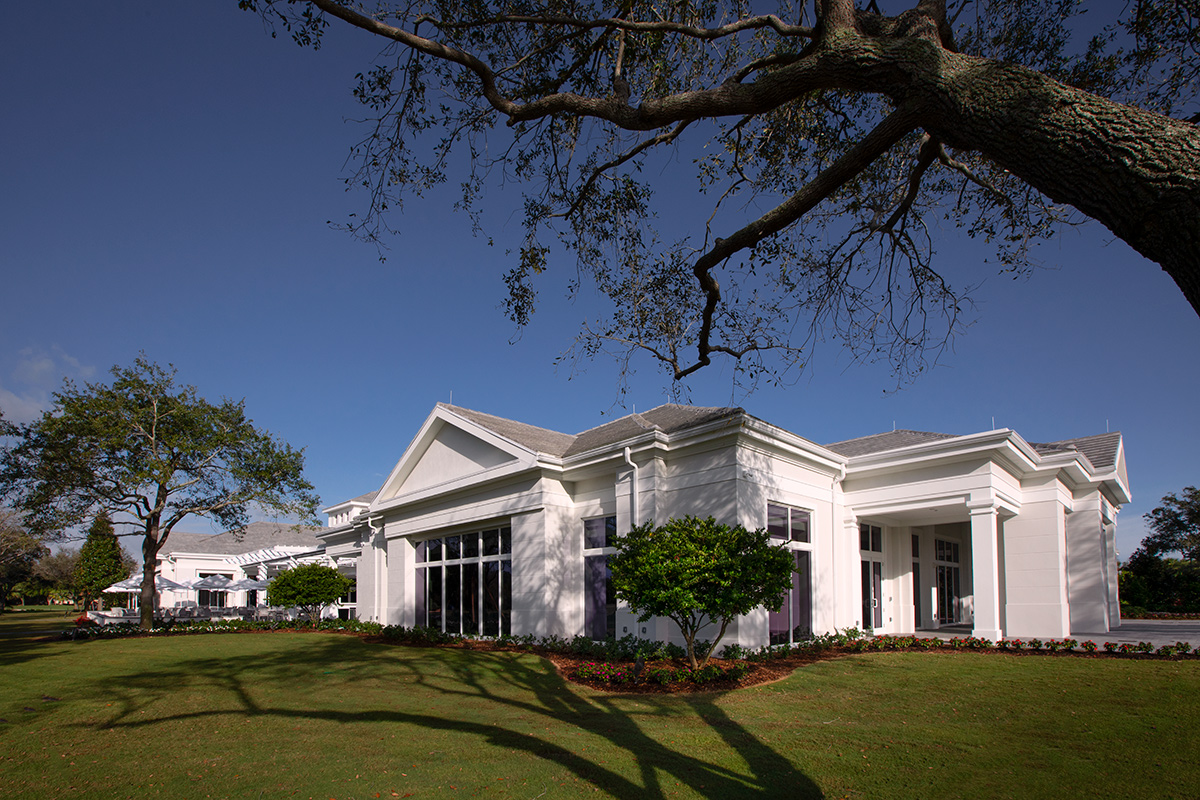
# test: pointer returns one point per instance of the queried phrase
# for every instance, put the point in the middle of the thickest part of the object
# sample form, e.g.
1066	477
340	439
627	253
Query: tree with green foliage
1156	583
309	587
832	145
57	569
1153	578
1175	526
19	553
149	453
697	573
102	562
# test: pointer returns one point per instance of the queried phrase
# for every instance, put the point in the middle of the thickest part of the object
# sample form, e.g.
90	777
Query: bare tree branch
893	128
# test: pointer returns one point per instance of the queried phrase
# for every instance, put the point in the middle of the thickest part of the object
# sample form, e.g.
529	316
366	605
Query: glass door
948	581
871	545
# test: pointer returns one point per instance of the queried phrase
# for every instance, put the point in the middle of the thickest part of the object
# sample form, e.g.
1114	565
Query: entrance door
872	593
871	550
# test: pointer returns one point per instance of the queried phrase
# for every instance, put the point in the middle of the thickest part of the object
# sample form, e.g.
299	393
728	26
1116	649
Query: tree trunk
147	594
1136	172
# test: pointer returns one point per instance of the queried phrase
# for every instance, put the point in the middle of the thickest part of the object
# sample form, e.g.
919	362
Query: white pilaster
847	571
985	568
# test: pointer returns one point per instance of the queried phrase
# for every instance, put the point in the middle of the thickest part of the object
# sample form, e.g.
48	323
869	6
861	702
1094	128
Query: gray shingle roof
255	536
668	418
1100	449
540	440
881	442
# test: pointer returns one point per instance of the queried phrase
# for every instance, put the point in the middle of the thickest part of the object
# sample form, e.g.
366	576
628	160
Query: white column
985	568
401	569
848	574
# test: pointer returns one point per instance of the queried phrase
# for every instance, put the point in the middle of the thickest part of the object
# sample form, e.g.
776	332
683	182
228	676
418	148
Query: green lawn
329	716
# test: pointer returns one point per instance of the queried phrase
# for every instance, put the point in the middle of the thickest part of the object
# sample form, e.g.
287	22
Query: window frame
789	535
592	556
802	551
442	546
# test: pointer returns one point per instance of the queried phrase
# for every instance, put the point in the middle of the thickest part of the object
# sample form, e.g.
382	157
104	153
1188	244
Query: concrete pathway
1156	631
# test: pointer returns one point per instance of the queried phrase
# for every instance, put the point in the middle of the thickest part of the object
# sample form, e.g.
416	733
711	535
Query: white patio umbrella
213	582
244	585
127	585
135	583
161	583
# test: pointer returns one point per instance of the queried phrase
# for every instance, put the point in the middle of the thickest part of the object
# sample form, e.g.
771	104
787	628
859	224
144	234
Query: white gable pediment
450	452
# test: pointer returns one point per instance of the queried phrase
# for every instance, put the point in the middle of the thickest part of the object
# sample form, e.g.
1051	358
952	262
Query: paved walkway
1156	631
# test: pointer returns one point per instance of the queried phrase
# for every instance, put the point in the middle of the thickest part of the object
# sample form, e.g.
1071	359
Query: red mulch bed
774	669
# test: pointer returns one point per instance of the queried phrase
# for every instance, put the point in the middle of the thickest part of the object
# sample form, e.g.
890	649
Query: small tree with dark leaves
697	573
309	587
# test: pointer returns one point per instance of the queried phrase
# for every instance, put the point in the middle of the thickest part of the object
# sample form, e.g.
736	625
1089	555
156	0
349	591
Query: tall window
792	620
948	576
464	582
599	599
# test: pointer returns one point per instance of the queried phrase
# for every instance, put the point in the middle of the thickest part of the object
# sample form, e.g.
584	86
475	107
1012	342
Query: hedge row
607	654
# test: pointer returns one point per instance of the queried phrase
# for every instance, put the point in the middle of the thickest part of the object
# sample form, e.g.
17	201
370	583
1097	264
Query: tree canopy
1151	578
697	572
149	453
834	145
1175	526
309	587
19	552
57	570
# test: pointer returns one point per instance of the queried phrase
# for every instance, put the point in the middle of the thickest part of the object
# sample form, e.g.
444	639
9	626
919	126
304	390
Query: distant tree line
1163	574
31	573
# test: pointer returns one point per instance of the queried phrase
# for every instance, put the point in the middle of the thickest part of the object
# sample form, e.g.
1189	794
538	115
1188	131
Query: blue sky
168	171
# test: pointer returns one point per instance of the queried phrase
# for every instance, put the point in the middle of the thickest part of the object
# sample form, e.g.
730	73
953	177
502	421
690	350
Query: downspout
633	511
376	563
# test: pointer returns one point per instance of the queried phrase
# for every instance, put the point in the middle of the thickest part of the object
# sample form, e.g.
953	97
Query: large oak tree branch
1134	171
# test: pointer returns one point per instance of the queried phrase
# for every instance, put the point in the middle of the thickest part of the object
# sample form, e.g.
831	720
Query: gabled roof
1100	449
882	442
667	418
531	437
255	536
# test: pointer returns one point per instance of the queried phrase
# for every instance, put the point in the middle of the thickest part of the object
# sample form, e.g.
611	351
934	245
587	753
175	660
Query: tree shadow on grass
19	647
443	690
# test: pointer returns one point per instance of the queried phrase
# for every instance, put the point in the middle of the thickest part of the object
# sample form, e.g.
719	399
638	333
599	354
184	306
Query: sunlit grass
293	714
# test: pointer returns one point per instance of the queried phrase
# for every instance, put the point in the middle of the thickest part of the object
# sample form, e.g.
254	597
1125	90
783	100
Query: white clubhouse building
489	526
